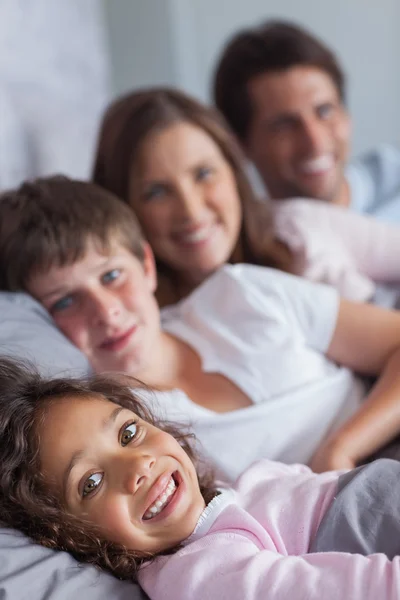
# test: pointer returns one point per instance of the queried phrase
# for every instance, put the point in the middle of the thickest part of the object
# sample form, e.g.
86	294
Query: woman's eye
61	304
155	191
111	276
203	173
325	111
92	483
128	433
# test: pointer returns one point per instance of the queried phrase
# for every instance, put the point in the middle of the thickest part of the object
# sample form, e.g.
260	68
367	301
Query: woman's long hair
132	118
26	502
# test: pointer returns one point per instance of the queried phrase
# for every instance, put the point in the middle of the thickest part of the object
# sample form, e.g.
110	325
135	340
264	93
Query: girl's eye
111	276
203	173
155	191
62	304
92	483
128	433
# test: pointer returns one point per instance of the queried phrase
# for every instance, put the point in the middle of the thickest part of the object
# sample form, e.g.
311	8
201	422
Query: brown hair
130	119
274	46
26	502
49	222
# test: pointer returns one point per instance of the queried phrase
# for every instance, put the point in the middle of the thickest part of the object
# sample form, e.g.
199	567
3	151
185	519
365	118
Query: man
283	93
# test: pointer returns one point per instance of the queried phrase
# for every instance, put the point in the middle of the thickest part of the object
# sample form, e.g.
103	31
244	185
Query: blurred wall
177	42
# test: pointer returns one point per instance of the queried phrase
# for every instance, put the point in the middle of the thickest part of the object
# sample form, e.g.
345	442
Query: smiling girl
85	467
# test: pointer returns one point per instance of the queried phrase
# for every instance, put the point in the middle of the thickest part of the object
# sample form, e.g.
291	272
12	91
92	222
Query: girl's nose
137	472
191	203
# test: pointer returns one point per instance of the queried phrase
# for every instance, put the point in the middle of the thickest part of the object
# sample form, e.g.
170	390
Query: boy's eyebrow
108	422
58	291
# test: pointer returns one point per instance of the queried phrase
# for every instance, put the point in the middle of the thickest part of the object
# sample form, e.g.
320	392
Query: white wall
177	42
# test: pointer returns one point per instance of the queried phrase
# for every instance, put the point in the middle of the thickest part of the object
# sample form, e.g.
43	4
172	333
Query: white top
267	332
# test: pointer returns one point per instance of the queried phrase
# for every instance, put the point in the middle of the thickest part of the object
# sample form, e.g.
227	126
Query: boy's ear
149	266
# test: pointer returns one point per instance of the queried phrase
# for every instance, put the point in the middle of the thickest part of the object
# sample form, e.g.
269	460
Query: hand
331	456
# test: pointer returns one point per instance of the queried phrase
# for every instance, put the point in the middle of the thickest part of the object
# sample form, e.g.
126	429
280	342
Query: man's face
299	134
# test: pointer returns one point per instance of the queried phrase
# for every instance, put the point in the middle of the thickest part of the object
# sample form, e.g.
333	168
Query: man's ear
149	267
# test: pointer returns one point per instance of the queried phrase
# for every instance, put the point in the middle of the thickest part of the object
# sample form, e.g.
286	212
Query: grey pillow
28	332
28	571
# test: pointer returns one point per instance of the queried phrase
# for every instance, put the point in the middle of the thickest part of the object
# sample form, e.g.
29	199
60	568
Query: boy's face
104	304
127	477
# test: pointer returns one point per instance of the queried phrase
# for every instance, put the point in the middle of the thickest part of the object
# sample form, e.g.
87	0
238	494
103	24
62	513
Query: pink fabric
256	548
334	245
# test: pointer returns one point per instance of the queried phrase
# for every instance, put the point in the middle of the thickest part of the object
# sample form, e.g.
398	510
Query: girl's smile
128	478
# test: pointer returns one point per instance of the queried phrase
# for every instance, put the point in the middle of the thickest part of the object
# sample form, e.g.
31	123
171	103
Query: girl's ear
149	267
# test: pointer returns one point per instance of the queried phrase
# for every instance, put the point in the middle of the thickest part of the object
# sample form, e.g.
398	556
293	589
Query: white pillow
28	332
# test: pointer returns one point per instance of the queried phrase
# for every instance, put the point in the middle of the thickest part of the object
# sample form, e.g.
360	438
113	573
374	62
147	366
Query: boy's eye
111	276
128	433
91	484
62	304
203	173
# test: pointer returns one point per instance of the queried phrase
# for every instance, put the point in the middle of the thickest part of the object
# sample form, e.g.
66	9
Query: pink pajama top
253	542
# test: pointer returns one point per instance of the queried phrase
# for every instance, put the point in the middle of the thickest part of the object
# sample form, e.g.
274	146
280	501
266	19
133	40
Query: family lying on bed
222	350
261	364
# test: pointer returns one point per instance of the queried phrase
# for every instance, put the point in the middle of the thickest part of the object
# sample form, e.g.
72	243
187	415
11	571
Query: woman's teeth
161	501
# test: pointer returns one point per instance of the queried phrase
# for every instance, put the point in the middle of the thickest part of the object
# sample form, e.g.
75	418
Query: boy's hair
26	503
49	222
270	48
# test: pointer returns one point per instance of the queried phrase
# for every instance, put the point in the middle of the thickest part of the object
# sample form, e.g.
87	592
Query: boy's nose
105	307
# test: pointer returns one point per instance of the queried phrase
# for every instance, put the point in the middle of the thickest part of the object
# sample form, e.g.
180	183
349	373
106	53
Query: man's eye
325	110
111	276
91	484
128	433
62	304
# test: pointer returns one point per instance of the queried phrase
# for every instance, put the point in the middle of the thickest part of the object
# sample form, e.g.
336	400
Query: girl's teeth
158	505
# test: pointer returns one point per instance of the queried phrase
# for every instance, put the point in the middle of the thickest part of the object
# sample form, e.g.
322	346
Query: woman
176	164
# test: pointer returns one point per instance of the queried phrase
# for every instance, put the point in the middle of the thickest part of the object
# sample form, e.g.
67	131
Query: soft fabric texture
353	252
28	571
253	543
374	180
27	332
267	332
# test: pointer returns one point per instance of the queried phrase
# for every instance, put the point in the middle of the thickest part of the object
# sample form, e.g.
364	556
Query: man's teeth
161	501
322	163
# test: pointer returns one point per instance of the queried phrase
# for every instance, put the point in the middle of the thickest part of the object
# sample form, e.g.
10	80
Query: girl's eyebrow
108	422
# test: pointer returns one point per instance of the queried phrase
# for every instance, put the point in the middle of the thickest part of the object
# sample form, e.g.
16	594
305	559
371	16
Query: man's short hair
50	222
272	47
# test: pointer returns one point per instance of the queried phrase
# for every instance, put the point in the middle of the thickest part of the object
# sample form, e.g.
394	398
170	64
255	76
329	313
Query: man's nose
313	138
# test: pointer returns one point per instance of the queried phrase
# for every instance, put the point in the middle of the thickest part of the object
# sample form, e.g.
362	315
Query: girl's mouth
162	501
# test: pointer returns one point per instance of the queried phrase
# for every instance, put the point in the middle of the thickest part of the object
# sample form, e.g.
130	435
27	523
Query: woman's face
185	195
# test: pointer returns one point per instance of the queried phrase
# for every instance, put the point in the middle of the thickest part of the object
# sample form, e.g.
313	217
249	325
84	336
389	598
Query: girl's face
185	195
104	304
130	479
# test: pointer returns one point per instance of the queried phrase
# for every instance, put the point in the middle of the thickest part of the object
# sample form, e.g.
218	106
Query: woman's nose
191	203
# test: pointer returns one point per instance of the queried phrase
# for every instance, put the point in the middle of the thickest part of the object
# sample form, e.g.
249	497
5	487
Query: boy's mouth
162	500
119	341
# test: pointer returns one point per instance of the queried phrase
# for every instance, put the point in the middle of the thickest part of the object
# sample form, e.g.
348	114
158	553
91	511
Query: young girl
176	164
86	468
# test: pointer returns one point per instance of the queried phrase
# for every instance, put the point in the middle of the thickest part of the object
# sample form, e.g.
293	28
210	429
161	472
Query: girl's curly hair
26	503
